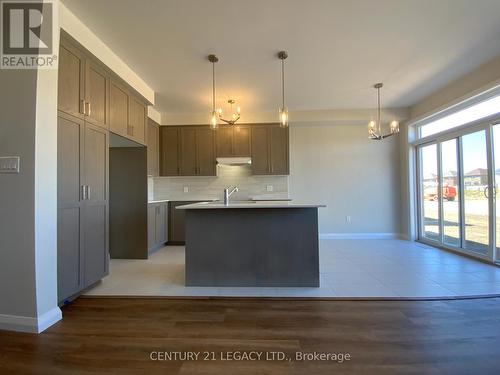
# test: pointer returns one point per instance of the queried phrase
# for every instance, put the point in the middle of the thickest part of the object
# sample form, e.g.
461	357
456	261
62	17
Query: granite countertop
249	204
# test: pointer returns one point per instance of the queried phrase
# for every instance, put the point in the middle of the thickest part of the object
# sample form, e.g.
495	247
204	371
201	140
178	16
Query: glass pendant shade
283	117
394	127
213	120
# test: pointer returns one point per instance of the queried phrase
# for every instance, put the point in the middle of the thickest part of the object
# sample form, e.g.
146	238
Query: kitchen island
252	244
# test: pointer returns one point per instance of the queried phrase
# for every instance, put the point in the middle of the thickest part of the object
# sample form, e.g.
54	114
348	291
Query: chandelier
216	114
375	127
235	115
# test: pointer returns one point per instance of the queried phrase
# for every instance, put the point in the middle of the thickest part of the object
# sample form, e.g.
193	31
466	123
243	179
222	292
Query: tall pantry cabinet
83	157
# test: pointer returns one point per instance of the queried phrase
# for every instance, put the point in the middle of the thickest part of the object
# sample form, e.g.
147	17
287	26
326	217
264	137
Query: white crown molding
30	324
154	115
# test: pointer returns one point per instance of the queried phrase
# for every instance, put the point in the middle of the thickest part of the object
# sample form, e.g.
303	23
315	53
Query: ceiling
337	48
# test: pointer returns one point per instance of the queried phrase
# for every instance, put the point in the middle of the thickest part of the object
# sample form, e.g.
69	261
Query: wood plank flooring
99	335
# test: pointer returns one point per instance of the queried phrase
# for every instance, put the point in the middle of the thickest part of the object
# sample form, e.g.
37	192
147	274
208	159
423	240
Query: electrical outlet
9	164
269	188
348	219
186	189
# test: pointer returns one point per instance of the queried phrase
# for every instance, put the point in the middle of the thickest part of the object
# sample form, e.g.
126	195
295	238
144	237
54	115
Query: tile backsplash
177	188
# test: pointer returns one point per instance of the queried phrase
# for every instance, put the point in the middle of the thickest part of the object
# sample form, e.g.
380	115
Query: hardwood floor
100	335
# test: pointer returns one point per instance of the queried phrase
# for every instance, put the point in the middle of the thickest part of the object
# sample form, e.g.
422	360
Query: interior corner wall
339	166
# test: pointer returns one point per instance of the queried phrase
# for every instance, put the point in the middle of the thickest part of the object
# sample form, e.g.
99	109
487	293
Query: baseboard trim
359	236
30	324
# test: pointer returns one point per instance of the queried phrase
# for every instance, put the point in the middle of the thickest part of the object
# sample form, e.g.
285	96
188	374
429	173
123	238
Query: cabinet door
69	205
224	141
153	148
137	120
205	152
71	80
169	151
176	233
260	150
152	208
96	94
118	109
279	150
161	221
95	220
188	151
241	141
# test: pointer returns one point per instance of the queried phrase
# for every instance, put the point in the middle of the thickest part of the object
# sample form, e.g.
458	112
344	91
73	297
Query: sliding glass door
457	195
476	195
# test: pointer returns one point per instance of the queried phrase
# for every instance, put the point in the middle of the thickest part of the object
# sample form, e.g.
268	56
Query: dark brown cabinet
170	151
270	155
187	151
233	141
176	222
71	80
118	109
205	156
153	145
137	120
96	94
157	225
82	204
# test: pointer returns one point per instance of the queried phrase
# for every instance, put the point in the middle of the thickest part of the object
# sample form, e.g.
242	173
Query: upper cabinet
71	81
88	90
269	146
233	140
170	151
192	150
96	94
153	144
187	151
137	120
118	109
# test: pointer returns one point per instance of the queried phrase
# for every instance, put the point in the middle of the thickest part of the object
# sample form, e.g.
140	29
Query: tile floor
349	268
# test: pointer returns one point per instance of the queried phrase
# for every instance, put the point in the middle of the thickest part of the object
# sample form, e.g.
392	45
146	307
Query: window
472	113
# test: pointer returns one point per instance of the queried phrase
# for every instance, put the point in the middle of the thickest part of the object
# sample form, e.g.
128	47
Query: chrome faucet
228	192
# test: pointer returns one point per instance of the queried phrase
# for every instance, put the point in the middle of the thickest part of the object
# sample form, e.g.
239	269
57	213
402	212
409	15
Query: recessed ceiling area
337	49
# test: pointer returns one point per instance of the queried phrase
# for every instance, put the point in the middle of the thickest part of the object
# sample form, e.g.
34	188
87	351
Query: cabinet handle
82	109
84	193
88	192
88	103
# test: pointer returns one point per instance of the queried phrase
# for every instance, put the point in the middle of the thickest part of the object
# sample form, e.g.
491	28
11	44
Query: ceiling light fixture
213	114
235	116
374	127
283	111
216	114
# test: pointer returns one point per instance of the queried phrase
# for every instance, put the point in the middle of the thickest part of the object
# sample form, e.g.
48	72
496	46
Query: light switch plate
269	188
9	164
186	189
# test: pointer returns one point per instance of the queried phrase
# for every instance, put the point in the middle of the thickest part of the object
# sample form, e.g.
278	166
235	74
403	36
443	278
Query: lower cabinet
157	225
176	219
82	183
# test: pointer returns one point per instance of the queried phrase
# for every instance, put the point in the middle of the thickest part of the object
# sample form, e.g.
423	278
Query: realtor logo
28	34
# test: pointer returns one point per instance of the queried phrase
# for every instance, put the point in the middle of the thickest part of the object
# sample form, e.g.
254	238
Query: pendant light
375	127
283	111
213	114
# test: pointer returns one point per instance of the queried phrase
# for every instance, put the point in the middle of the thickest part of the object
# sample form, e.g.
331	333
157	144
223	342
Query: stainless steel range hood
245	160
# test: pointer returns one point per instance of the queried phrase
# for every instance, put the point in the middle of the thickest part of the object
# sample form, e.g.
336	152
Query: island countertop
249	204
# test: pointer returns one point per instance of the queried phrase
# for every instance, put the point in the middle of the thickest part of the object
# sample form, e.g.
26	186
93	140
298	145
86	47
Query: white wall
339	166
